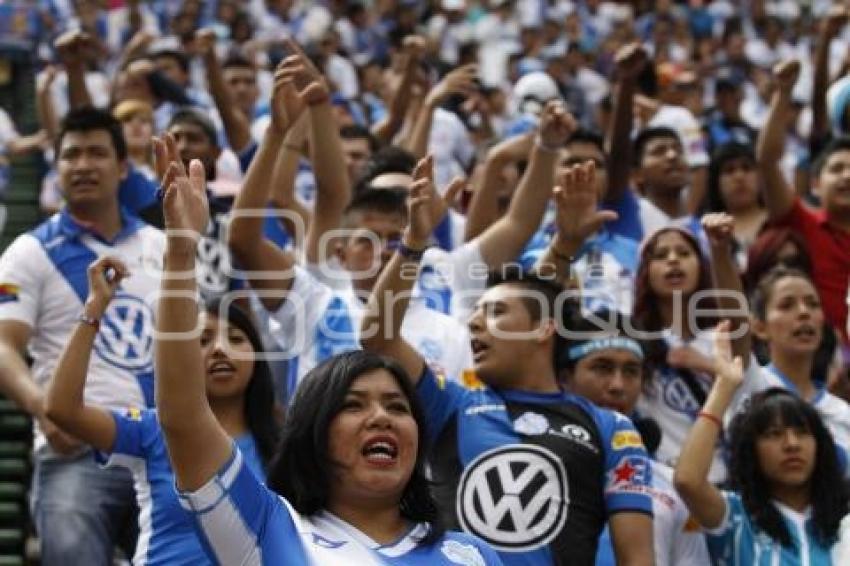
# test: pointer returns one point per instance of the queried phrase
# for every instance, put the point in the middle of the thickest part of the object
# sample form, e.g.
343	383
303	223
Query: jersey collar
72	229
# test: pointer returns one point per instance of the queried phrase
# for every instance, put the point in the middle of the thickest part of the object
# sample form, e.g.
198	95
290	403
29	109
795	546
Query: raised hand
576	200
105	276
184	196
556	124
74	47
205	39
425	205
459	81
719	227
308	81
785	75
631	60
836	18
728	371
287	104
414	47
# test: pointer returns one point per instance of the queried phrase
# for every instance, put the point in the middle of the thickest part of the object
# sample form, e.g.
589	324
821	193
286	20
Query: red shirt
829	248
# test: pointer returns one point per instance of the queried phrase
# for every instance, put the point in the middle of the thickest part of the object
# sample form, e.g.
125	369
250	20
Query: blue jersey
166	531
243	522
739	542
534	475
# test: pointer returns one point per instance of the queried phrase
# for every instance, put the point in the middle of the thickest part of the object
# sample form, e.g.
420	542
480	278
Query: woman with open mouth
236	385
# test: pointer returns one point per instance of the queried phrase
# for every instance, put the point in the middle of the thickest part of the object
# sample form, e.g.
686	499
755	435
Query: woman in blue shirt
239	389
789	497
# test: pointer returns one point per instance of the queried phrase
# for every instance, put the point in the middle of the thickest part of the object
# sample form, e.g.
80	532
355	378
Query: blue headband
618	342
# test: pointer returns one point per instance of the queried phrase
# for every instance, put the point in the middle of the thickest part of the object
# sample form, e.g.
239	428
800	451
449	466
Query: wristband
410	253
91	321
562	257
538	141
713	418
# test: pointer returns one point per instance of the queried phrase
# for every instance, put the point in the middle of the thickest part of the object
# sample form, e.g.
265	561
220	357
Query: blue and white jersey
333	318
605	266
835	412
534	475
44	284
166	531
739	542
678	539
242	522
674	398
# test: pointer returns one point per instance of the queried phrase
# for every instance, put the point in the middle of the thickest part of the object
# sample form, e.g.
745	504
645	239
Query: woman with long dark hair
671	271
350	464
238	387
787	499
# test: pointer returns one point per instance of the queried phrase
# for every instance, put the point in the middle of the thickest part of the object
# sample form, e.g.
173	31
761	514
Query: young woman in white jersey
788	498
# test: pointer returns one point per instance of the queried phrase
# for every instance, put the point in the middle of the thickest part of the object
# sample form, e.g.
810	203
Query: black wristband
410	253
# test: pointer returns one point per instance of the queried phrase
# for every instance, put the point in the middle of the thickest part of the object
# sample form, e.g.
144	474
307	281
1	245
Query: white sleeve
693	141
293	326
22	273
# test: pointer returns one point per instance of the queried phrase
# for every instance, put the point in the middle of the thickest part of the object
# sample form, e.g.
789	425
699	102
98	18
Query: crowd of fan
447	282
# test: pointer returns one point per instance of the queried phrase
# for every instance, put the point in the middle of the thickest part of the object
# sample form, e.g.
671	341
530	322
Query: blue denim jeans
82	511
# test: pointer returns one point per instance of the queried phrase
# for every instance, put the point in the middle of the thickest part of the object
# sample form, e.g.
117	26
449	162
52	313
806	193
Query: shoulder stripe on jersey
69	256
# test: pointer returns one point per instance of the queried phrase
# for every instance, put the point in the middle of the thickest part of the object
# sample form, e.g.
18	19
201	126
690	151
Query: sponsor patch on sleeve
9	293
630	475
626	439
134	413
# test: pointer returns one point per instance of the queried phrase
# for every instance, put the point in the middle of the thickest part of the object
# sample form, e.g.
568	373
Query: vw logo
125	339
514	497
679	397
213	265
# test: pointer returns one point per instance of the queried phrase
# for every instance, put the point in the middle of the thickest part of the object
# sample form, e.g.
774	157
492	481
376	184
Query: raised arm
631	60
719	227
830	27
73	48
380	329
65	403
458	81
333	187
269	267
577	218
386	129
44	105
778	194
197	444
237	126
703	499
285	174
484	208
504	240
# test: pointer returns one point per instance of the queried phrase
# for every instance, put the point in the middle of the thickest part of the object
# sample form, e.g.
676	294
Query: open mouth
221	369
381	451
805	332
675	277
83	183
479	349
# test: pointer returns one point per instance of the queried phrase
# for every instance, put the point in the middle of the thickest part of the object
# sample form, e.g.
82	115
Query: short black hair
356	132
87	119
840	143
599	323
388	159
179	56
382	201
302	471
237	59
724	153
191	115
560	306
645	136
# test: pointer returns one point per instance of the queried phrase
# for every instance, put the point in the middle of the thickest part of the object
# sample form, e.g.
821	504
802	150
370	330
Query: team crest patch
461	553
9	293
531	424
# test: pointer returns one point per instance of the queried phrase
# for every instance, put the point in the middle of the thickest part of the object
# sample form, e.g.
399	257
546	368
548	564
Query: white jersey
44	284
678	539
670	400
314	322
243	522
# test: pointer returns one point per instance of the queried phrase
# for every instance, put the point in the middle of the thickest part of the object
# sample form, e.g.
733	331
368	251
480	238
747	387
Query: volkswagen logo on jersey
678	397
125	339
514	497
